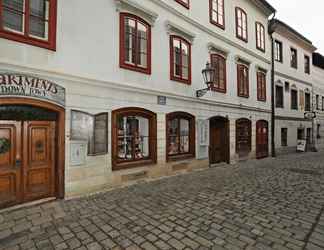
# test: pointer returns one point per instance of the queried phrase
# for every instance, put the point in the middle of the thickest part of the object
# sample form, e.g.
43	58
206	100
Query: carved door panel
262	140
218	142
39	163
10	163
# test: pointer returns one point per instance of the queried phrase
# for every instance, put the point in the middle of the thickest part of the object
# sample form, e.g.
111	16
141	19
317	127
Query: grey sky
304	16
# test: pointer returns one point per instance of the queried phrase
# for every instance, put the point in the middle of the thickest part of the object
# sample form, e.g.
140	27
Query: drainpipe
271	29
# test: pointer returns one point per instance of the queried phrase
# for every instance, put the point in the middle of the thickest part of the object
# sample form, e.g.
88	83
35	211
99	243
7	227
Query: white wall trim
173	28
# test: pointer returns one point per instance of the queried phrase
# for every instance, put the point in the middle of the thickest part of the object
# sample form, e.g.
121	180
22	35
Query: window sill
260	49
136	69
244	96
28	40
188	82
133	164
180	157
223	91
262	100
242	39
183	4
217	24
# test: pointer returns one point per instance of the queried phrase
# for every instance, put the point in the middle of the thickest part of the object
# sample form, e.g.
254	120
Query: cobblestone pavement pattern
267	204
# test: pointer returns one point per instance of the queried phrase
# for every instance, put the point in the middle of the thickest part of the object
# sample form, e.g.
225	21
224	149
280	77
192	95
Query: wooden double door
262	139
27	161
219	140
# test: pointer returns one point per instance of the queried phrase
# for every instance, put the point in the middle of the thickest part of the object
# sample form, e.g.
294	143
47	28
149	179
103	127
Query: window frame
246	84
308	101
280	51
317	102
192	135
237	11
134	111
284	141
293	63
262	36
322	103
211	10
49	43
307	64
282	104
184	4
173	77
261	89
122	62
292	107
224	60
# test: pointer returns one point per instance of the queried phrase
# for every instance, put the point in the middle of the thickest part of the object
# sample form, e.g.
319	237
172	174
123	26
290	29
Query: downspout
271	29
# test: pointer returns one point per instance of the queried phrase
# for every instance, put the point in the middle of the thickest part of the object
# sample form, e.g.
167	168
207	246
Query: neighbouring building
318	86
293	87
101	98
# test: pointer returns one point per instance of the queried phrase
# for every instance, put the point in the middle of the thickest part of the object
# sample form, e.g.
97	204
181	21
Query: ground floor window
180	135
133	137
300	134
243	136
284	136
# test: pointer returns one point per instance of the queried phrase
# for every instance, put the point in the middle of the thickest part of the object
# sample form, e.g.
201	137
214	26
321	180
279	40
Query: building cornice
291	118
56	75
209	31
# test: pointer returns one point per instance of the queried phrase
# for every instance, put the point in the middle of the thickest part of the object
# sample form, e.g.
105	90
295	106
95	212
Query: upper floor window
262	86
317	102
242	80
218	62
279	97
307	102
278	51
293	58
241	24
184	3
180	135
260	36
294	99
307	64
135	43
29	21
217	13
180	59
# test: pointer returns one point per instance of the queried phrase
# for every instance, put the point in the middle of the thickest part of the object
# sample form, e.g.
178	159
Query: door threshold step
27	204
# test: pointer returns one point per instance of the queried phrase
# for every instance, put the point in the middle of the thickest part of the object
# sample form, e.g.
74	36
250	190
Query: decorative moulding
137	9
279	83
175	29
214	48
259	68
242	60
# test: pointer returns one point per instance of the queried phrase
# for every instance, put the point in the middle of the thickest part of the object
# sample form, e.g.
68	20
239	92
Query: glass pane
140	130
177	57
130	40
13	16
185	73
39	13
141	147
184	136
142	44
173	148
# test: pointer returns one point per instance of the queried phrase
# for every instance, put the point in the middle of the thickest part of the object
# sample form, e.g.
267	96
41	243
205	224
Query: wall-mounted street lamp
209	76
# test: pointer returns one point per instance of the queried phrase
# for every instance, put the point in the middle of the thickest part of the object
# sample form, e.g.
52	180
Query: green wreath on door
4	145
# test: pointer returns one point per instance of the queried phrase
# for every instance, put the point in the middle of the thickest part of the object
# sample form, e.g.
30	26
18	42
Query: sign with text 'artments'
22	85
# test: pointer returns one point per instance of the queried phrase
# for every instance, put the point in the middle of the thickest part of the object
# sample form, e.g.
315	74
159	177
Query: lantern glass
208	75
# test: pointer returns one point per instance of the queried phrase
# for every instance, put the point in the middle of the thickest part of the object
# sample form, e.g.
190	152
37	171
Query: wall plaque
22	85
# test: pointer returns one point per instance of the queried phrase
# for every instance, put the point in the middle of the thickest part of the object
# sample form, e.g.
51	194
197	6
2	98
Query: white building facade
318	97
293	87
106	102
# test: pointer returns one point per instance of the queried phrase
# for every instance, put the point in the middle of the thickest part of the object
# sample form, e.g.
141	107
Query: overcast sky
307	17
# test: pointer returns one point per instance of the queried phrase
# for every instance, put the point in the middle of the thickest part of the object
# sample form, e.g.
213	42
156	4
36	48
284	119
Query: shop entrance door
27	161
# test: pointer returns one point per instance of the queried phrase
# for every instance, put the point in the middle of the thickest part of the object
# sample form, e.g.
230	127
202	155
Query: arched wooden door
31	151
262	139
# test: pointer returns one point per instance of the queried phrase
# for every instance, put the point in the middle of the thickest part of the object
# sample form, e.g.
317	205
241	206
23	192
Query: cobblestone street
267	204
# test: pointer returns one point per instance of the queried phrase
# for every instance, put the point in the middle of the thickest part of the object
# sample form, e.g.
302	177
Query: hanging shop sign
22	85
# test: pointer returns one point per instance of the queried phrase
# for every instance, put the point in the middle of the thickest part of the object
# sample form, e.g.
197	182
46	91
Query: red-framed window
185	3
242	80
135	43
260	36
29	21
180	135
262	86
218	62
180	59
217	13
241	24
